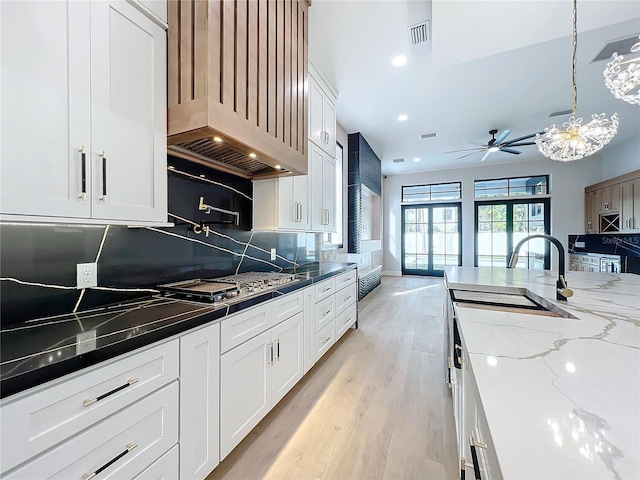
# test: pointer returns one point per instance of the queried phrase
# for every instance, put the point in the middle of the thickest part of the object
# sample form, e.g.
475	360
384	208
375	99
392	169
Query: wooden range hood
238	70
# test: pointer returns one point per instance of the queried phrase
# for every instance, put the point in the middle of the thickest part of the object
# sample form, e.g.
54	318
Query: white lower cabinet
324	339
121	446
199	402
165	468
254	376
57	411
346	319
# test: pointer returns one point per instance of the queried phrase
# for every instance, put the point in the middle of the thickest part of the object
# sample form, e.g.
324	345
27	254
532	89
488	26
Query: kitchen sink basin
512	300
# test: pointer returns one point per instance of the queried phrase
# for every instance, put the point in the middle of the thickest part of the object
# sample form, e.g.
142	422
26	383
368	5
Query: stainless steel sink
513	300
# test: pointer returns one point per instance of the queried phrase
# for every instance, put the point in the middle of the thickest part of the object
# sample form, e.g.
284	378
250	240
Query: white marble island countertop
561	395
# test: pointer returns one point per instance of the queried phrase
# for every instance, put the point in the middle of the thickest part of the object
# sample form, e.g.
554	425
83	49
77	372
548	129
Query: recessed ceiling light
399	61
402	118
202	175
217	139
417	159
252	155
278	167
171	167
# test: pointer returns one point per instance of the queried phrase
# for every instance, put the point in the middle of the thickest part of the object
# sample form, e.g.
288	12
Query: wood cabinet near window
238	84
630	206
83	113
613	205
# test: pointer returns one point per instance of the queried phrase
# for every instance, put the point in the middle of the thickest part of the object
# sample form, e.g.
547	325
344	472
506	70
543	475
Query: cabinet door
165	468
128	108
592	211
199	402
44	56
288	209
316	160
309	329
329	188
329	117
288	365
316	112
245	389
630	205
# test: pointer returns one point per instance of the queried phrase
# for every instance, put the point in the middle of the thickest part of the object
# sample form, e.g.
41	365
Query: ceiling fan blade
520	144
485	156
466	150
510	150
502	136
474	143
531	135
472	153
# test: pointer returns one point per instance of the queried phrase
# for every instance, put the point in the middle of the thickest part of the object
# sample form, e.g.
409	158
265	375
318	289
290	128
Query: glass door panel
431	238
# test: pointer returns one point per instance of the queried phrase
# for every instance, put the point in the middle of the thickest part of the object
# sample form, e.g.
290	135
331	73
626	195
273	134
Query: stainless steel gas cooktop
228	289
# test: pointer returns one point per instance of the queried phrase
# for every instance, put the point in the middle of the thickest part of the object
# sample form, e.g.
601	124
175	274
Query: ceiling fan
496	144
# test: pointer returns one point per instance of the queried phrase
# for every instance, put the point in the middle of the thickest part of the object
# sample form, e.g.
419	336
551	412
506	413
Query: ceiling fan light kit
577	140
622	77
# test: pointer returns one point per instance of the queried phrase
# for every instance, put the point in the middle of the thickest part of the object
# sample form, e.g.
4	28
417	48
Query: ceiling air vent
561	113
420	33
622	47
398	160
429	135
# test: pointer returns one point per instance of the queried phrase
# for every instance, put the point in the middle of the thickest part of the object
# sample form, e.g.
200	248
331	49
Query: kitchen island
560	396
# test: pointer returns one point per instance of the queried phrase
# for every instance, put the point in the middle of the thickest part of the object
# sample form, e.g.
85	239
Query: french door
501	224
431	238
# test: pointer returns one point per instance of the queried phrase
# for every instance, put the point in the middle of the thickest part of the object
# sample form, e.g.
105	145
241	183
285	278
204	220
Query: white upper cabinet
323	190
83	113
322	113
281	203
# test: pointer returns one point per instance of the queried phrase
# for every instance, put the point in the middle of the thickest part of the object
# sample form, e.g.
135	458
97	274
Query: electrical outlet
86	275
273	254
85	342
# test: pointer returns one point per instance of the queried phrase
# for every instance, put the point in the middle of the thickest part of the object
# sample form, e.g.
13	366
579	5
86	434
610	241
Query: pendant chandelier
622	76
576	140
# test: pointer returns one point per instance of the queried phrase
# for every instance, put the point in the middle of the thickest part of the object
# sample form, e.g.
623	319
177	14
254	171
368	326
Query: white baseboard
392	273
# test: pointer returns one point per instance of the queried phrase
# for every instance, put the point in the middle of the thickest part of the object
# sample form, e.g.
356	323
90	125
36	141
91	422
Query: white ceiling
490	64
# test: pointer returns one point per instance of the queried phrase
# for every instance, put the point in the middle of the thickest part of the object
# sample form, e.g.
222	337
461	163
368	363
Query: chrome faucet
562	292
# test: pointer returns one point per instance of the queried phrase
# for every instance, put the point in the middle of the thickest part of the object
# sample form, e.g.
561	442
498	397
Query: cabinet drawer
345	319
134	437
242	326
346	297
325	338
287	306
346	278
324	312
324	289
40	420
165	468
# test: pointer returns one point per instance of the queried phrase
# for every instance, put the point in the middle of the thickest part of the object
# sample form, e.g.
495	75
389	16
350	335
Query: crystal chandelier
623	77
576	140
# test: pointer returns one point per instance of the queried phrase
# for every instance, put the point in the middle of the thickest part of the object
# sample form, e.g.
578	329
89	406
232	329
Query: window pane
417	193
445	187
410	215
513	187
431	192
484	212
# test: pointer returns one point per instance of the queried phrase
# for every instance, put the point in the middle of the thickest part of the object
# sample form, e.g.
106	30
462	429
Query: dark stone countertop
42	349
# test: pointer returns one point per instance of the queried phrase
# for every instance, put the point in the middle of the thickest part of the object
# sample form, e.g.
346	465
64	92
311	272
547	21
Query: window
500	224
334	240
512	187
432	192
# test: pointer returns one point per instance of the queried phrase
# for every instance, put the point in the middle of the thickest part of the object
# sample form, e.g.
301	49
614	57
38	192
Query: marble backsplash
38	262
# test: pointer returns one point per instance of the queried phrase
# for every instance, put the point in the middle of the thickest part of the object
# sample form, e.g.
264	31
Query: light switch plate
579	245
86	275
273	254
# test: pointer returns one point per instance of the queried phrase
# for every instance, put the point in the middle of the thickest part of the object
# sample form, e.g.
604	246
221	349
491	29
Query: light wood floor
376	406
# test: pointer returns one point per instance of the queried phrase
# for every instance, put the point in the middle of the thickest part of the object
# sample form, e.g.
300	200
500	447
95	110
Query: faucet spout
562	292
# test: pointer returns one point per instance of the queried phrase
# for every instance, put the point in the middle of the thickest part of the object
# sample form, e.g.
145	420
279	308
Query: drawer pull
103	155
346	321
326	340
348	298
130	382
83	156
326	289
130	446
326	313
477	443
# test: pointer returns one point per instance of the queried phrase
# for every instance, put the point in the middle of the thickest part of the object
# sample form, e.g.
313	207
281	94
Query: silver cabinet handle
477	443
83	166
103	155
326	313
326	340
277	341
326	289
129	447
299	211
346	321
270	347
130	382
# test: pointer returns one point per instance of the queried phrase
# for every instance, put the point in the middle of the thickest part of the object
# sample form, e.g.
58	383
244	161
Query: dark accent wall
364	169
142	257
